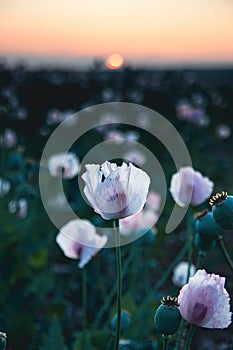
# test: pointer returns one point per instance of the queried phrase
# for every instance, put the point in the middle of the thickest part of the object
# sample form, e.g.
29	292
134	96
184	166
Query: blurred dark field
40	299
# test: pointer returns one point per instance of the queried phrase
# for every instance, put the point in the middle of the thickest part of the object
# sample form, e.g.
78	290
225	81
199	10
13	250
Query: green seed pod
206	226
125	320
167	317
2	340
204	243
222	208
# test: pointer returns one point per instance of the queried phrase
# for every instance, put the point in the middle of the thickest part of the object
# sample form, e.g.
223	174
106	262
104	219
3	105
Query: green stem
190	337
200	257
190	255
119	284
179	334
112	293
190	241
84	297
110	343
165	341
225	252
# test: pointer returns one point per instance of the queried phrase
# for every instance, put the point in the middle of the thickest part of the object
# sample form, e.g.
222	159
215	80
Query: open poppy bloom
205	302
115	192
78	240
190	187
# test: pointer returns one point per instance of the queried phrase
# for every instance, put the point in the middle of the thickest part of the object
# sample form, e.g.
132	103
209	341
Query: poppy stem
200	257
190	240
189	227
165	341
190	337
225	251
84	297
112	293
119	283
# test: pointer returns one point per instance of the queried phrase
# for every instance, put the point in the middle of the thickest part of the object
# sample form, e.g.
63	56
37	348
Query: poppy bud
222	208
206	226
125	320
203	243
167	317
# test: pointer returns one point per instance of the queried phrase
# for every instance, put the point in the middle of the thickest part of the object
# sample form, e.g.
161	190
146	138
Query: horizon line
80	62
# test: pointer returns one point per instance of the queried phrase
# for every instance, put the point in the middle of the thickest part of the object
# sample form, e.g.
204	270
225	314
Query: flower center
218	198
198	313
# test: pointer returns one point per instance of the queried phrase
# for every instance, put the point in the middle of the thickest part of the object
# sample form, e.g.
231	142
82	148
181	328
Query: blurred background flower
78	240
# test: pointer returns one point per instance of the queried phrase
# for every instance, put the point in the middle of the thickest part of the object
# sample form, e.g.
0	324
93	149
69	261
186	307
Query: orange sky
186	30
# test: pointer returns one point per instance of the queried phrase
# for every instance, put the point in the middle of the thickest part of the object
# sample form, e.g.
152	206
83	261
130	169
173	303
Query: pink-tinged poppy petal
107	168
153	201
190	187
205	302
78	240
146	219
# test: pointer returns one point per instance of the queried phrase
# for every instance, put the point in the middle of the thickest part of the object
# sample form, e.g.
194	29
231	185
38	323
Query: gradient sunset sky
145	30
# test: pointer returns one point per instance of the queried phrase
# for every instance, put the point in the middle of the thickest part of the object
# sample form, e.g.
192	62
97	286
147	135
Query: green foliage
54	338
83	341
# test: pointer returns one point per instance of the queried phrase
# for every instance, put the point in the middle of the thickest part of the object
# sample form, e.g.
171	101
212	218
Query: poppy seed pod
203	243
206	226
222	208
125	321
167	317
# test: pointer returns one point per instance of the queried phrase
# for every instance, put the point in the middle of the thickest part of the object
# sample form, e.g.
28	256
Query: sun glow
114	61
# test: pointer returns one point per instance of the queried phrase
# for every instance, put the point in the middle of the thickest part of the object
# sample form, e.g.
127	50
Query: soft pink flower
19	206
135	156
132	136
4	187
53	117
223	131
63	164
23	208
180	273
9	138
141	221
190	187
194	115
205	302
106	119
115	136
115	192
146	219
78	240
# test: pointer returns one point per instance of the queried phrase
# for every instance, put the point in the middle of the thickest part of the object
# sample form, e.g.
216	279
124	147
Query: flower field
116	197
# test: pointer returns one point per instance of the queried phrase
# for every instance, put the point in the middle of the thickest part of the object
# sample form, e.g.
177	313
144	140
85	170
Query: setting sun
114	61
